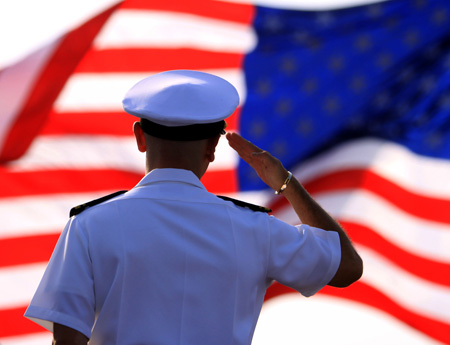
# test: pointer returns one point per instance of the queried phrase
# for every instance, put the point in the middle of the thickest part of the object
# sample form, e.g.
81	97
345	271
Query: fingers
238	141
243	147
249	152
268	168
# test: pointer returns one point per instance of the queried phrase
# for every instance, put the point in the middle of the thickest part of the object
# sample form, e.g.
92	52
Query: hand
268	168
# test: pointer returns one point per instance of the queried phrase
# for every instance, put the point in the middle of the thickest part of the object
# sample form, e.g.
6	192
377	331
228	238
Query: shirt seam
236	270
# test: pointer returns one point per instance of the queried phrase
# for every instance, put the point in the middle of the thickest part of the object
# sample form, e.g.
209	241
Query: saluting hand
268	168
272	172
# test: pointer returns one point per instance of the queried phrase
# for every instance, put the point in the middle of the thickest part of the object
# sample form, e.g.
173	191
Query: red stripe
15	324
415	204
48	86
155	60
105	123
220	181
240	13
368	295
32	249
26	250
422	267
365	294
46	182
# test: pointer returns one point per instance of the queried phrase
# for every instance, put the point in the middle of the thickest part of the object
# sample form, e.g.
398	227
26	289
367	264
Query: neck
189	155
197	169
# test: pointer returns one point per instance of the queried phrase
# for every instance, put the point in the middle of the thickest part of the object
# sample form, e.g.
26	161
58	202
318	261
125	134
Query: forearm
311	213
307	209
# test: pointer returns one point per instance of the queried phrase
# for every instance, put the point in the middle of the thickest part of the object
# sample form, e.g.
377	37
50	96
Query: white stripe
420	174
18	284
225	157
105	91
258	197
26	216
16	83
43	338
18	41
347	322
161	29
418	236
413	293
100	152
81	152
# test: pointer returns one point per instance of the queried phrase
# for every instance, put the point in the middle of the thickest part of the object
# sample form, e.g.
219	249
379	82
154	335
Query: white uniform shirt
170	263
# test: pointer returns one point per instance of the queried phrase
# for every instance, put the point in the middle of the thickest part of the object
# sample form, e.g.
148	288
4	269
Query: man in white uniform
170	263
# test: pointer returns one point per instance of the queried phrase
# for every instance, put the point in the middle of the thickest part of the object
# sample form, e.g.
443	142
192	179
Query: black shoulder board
246	204
80	208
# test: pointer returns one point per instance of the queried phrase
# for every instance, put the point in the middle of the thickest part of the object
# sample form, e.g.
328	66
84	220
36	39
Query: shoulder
80	208
240	203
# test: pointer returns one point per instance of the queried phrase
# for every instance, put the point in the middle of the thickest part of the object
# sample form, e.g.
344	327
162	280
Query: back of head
182	114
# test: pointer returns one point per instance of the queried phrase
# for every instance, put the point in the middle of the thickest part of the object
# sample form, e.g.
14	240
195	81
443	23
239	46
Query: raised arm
272	172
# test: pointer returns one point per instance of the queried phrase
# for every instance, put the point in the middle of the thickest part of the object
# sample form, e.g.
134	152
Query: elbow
350	270
356	270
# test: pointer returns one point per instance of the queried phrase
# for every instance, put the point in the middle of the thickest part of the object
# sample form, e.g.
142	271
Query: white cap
182	98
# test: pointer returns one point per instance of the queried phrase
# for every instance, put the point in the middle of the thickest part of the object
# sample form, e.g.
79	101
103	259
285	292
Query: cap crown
181	98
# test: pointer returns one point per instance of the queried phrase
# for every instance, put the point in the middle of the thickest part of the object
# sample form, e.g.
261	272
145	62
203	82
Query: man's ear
211	149
140	137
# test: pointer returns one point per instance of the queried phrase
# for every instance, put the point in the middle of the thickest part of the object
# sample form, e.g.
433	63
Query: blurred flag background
353	96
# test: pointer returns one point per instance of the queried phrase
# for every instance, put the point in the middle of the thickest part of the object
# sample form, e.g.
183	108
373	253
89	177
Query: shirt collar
170	175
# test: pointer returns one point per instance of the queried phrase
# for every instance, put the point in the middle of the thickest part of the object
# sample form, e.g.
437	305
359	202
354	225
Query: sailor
170	263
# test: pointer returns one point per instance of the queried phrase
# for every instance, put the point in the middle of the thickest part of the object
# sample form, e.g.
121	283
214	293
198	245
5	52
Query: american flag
355	101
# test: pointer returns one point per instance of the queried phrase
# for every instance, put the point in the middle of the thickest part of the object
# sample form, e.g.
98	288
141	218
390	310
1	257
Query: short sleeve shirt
170	263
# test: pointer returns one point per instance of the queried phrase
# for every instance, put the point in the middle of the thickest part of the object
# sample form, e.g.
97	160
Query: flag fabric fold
50	68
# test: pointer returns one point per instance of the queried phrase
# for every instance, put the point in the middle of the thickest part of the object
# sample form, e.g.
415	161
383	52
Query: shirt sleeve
65	294
302	257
